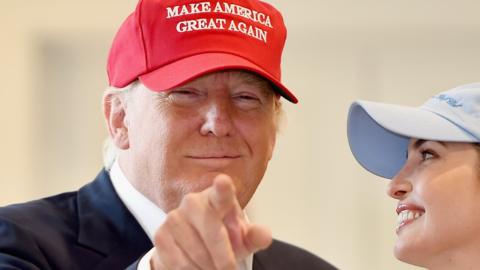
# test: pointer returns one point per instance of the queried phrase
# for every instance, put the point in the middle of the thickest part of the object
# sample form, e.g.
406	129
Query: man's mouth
214	161
214	157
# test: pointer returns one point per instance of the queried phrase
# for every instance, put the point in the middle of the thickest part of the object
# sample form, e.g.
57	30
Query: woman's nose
399	187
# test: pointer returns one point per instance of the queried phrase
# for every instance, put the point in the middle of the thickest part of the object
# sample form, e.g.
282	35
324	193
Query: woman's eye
426	155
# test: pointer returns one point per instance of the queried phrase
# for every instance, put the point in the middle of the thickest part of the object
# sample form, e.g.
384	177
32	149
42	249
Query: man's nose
217	119
400	186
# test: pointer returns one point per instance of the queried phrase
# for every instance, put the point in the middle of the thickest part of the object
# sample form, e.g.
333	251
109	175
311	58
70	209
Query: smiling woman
437	192
437	182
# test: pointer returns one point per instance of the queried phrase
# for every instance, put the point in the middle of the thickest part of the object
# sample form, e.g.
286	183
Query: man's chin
195	184
180	187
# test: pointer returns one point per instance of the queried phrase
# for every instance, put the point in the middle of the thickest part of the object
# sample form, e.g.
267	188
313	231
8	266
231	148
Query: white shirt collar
147	214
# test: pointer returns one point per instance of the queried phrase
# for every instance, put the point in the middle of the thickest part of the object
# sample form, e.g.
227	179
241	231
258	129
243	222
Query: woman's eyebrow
418	143
415	146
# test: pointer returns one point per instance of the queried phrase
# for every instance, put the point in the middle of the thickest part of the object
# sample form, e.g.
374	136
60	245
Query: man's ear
114	110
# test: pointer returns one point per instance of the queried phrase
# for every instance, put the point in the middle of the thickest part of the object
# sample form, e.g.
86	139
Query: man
192	115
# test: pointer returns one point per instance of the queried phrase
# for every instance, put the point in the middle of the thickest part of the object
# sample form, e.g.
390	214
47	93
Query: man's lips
215	156
214	161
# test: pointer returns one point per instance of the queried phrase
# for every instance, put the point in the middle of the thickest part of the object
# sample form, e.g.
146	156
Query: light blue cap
379	133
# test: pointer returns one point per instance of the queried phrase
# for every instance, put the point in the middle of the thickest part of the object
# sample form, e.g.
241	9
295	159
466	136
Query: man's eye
250	98
247	101
184	96
183	92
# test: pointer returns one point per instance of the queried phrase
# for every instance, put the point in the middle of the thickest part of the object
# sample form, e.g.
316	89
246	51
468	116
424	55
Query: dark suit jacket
92	229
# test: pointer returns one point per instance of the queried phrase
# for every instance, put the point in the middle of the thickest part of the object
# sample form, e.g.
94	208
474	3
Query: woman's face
438	193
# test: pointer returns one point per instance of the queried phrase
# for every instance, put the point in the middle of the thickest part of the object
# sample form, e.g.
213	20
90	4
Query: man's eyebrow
266	86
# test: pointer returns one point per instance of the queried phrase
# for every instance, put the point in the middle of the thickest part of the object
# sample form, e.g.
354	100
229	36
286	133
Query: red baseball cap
166	43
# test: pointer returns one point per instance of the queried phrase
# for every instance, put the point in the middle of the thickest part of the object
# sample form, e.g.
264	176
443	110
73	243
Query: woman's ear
114	110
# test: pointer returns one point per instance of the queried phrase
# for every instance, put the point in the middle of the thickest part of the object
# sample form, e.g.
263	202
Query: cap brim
189	68
379	134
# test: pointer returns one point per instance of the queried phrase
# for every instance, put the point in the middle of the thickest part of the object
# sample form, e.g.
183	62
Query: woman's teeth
407	216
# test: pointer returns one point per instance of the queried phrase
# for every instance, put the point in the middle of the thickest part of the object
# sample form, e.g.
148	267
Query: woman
432	156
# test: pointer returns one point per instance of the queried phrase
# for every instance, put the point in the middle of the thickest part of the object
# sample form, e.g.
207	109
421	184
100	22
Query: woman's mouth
407	216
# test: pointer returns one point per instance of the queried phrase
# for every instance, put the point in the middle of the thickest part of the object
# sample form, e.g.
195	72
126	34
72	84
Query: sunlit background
315	195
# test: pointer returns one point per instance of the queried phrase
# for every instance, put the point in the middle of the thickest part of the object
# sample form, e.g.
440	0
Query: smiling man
192	118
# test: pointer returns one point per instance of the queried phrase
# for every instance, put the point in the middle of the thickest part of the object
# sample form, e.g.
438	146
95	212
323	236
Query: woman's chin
408	253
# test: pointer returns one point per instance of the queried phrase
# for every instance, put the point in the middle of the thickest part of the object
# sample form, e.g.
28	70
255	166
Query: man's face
179	140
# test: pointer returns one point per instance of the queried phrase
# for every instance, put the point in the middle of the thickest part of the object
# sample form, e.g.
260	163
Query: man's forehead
244	75
238	77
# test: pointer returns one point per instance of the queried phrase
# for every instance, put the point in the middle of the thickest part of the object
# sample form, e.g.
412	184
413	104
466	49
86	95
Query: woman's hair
477	147
110	151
